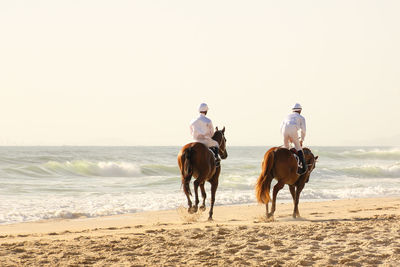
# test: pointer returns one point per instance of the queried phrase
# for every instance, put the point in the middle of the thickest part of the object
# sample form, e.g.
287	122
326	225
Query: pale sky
134	72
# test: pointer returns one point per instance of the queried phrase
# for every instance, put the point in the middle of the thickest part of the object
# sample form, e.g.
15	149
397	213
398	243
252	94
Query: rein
222	135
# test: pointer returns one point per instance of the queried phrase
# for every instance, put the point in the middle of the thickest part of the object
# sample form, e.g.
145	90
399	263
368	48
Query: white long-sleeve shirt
295	120
201	128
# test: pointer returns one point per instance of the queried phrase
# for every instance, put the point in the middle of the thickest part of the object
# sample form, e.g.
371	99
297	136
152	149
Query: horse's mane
217	133
307	151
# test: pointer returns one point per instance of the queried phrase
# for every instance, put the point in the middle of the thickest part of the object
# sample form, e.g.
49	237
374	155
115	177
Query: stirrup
301	171
216	156
302	161
217	162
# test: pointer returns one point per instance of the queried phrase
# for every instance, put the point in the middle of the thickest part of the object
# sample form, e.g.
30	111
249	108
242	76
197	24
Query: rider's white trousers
290	135
208	142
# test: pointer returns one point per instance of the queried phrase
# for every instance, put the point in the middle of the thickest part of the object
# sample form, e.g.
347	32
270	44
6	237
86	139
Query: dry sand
358	232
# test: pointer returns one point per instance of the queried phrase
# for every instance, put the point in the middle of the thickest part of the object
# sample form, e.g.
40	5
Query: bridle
222	143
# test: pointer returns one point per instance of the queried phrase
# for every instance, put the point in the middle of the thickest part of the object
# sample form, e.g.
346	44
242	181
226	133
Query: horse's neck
216	139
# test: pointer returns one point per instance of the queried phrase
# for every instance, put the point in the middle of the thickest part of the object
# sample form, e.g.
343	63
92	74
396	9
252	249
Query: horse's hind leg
204	195
196	195
296	212
277	187
187	193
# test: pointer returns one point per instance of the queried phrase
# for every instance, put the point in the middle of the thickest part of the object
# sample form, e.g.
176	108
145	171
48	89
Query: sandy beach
356	232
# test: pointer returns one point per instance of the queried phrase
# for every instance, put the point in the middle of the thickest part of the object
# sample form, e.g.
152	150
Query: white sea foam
354	192
34	209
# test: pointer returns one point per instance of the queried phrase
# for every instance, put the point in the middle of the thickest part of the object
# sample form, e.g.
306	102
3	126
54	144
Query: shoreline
328	233
180	209
180	215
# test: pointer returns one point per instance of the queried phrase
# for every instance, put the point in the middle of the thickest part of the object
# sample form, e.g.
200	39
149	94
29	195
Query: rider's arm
196	131
303	128
211	129
282	124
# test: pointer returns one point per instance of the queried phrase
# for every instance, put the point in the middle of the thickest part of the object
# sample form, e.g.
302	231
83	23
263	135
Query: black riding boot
303	162
216	155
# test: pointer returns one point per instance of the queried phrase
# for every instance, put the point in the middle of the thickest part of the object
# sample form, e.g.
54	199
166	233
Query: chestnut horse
197	160
280	163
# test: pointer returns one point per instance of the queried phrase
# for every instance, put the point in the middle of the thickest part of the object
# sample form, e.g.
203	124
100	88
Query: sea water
39	183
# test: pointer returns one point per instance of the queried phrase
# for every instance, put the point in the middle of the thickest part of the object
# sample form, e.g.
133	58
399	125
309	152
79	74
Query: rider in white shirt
289	129
202	130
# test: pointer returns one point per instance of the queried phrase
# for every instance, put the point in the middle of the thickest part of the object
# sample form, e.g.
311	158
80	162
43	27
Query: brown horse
197	160
280	163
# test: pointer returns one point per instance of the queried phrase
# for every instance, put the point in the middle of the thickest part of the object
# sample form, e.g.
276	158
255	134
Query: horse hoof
192	210
270	215
202	208
210	219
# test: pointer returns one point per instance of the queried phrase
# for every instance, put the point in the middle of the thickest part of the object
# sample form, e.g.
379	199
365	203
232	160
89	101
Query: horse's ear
223	130
216	128
316	157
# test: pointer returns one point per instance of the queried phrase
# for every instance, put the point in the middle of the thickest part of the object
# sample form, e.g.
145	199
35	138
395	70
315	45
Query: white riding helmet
297	107
203	107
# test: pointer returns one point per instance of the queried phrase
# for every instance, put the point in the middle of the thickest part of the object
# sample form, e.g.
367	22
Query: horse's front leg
299	188
214	186
277	187
204	195
292	189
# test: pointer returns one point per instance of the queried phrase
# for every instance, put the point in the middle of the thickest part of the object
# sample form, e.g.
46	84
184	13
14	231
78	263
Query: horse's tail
187	169
264	181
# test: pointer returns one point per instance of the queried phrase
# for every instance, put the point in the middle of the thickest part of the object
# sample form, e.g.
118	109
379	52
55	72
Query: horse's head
219	136
310	160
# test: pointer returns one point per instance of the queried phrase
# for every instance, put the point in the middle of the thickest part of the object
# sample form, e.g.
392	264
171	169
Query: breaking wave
78	168
87	168
370	171
96	169
364	153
